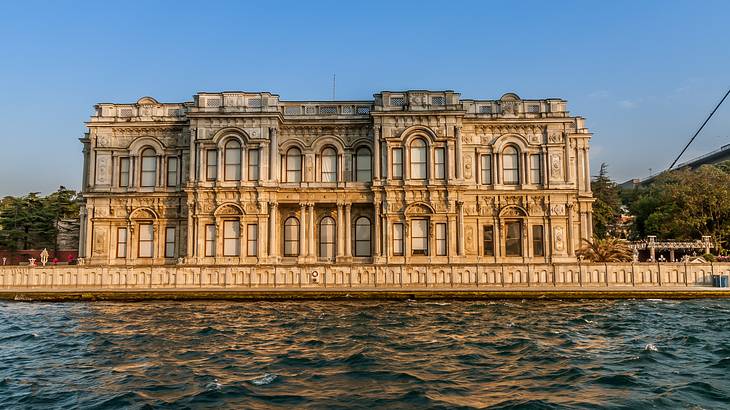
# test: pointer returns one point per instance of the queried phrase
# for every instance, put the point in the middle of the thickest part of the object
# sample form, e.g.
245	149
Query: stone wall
362	276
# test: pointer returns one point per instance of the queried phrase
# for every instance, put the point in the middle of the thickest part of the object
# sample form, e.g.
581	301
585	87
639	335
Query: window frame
252	230
360	161
297	171
331	224
538	243
211	167
439	167
124	175
151	241
419	251
210	240
122	244
515	170
398	234
420	166
232	146
536	169
358	240
235	240
172	171
397	165
485	171
254	167
295	239
488	240
170	242
515	241
143	171
442	244
324	154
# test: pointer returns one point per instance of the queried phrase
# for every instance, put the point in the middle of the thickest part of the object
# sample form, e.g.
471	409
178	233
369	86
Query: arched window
327	237
291	237
329	165
363	165
419	162
511	165
362	236
294	165
149	168
232	161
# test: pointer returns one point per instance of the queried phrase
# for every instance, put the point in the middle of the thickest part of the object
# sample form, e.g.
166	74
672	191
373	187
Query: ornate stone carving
556	166
559	239
469	242
557	209
468	167
555	137
510	108
102	169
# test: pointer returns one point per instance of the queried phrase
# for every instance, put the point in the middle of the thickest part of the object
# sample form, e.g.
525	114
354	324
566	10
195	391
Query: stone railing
362	276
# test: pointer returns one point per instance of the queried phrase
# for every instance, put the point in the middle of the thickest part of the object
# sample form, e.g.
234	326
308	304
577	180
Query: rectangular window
170	242
146	241
419	236
231	238
441	239
252	237
123	171
253	165
538	242
210	240
535	169
397	163
148	173
398	239
513	242
440	163
211	169
488	240
486	168
172	171
121	242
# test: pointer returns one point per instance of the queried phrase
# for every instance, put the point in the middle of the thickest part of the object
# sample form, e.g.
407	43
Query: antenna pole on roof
334	82
698	131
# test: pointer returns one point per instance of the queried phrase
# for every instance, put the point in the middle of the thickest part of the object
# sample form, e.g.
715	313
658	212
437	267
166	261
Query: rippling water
533	354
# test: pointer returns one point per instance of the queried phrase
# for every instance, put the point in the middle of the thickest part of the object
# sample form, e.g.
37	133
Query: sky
644	74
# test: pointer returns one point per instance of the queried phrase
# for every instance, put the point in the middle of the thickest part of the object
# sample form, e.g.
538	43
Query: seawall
320	281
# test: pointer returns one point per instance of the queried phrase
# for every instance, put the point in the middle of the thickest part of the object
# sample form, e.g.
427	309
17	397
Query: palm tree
606	250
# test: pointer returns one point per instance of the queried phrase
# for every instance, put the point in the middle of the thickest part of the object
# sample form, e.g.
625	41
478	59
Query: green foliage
709	257
607	205
685	204
30	221
606	250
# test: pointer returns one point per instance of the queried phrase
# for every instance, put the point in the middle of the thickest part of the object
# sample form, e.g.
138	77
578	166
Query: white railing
363	276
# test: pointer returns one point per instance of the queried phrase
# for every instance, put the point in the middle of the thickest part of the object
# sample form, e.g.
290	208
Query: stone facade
409	178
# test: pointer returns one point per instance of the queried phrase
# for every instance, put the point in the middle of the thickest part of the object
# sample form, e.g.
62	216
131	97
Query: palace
410	177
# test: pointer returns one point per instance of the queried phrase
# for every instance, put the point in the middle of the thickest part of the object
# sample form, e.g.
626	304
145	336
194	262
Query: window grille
438	101
292	110
328	110
213	102
397	101
254	102
363	110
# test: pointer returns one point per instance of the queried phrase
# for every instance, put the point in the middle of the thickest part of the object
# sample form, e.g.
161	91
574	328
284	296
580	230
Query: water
530	354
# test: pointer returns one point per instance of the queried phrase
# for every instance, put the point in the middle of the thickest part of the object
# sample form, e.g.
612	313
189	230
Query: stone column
340	230
82	232
386	158
273	248
264	166
571	234
312	249
273	155
376	153
377	229
303	250
385	230
587	169
460	227
263	249
459	155
190	250
348	230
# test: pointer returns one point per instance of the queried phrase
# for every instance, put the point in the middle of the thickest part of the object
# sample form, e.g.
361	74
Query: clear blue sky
643	73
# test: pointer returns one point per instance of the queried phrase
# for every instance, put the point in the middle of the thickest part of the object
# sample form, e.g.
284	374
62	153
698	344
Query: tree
607	205
686	204
606	250
31	221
